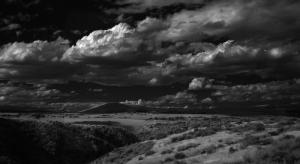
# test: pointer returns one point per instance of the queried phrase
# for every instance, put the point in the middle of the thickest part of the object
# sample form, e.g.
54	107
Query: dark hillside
47	143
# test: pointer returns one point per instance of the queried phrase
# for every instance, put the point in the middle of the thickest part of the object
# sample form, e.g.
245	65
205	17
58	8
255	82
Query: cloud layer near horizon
223	38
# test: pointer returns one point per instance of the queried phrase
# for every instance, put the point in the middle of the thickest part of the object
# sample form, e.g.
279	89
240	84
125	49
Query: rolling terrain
148	138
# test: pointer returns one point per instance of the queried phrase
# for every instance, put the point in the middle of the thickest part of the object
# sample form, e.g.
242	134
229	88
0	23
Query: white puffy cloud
200	83
103	55
153	81
36	60
117	42
202	57
276	52
121	43
220	61
174	49
37	51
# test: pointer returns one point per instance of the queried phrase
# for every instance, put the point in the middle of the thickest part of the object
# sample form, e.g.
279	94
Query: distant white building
138	102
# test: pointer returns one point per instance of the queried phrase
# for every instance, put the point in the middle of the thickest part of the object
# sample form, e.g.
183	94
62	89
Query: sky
149	42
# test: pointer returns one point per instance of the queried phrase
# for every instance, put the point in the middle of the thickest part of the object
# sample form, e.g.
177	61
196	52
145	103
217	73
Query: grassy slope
215	139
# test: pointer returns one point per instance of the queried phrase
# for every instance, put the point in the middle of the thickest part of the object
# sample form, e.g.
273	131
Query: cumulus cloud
113	43
37	51
200	83
104	55
124	55
201	57
36	60
118	44
179	48
224	60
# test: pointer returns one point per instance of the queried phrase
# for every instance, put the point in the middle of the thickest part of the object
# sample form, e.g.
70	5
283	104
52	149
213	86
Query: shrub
179	155
168	159
255	140
276	132
38	115
124	154
209	149
150	152
287	122
187	146
232	150
179	162
196	133
283	151
168	151
259	127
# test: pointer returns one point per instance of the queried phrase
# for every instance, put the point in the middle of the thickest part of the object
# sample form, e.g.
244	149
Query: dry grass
283	151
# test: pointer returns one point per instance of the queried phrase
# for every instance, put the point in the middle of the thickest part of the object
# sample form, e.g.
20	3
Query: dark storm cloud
139	6
173	49
54	15
237	20
272	20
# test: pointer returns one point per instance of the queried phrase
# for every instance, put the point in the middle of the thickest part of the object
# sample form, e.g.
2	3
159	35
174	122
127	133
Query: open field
155	138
